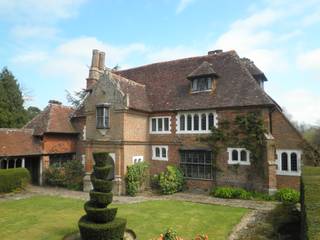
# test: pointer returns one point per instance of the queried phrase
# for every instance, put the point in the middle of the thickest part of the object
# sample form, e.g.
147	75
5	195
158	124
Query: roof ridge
177	60
127	79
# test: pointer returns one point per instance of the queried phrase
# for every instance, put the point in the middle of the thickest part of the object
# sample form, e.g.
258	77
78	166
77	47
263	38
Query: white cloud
30	57
38	11
310	60
170	53
302	105
30	31
183	4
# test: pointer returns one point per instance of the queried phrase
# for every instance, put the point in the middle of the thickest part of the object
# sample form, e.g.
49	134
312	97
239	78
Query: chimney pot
55	102
214	52
95	58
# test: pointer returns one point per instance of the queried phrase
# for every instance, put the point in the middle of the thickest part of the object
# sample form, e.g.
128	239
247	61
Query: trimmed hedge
99	214
101	198
13	179
310	203
101	185
103	231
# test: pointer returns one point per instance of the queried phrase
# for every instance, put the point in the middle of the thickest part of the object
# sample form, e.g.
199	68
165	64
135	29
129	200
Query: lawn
50	218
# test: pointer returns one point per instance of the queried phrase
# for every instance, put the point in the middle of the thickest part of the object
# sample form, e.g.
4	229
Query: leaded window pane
284	162
196	122
189	122
164	152
157	152
154	124
203	122
196	164
160	124
166	124
235	155
211	120
182	123
243	155
294	162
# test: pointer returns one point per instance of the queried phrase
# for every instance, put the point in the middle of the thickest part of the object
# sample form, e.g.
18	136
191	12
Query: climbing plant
245	131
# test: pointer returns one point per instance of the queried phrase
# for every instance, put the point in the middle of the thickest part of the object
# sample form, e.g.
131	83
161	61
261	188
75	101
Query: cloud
30	57
170	53
310	60
38	11
302	105
183	4
29	31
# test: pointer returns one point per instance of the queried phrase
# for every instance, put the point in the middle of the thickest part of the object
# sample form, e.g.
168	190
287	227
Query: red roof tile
18	142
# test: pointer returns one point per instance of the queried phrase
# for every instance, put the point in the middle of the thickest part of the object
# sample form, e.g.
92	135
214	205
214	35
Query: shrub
13	179
230	192
171	180
136	177
70	175
287	196
154	182
100	222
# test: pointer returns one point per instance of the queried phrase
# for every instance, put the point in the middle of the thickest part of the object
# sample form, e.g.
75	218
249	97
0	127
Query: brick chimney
96	68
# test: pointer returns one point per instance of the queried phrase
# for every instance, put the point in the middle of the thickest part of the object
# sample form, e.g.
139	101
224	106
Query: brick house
47	139
156	113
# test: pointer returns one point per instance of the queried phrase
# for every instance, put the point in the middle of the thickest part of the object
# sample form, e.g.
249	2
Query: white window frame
199	113
239	162
157	129
195	82
154	157
288	172
137	159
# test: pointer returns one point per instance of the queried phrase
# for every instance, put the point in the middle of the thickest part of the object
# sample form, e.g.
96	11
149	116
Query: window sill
209	90
193	132
160	132
160	159
102	128
198	179
289	173
238	163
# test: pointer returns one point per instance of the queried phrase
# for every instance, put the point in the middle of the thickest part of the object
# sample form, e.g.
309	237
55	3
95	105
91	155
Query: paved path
259	207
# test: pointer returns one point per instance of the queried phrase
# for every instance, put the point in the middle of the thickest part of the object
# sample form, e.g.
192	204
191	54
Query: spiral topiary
100	223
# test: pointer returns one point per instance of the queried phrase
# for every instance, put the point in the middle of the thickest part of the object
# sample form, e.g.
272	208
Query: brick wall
59	143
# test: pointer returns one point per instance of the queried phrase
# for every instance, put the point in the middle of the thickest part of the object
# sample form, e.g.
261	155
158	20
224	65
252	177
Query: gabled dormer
256	73
203	78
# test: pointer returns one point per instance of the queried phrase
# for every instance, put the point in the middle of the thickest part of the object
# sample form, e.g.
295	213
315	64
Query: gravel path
258	207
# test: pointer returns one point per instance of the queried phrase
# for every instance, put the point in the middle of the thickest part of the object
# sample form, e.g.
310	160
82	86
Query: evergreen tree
12	112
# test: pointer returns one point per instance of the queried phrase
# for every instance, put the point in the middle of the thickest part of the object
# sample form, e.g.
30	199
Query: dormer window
201	84
203	78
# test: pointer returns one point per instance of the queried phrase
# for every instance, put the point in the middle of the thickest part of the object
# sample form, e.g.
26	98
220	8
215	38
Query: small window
102	117
201	84
160	153
137	159
160	125
239	156
289	162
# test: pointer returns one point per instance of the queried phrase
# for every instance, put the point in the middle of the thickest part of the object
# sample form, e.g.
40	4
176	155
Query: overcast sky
47	44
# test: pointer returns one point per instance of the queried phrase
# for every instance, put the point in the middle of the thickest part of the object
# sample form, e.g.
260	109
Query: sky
48	44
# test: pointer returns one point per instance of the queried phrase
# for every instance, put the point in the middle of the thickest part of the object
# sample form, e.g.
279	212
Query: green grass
50	218
311	208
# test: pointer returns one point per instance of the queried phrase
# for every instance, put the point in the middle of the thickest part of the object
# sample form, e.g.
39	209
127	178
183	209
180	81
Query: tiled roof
253	69
205	69
167	87
18	142
55	118
138	98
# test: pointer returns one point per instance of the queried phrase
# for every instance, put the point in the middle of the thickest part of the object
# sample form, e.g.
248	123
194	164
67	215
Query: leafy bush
13	179
70	175
230	192
136	177
154	182
171	180
287	196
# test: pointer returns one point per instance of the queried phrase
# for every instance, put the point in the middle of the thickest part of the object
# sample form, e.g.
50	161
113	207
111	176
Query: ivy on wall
245	131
